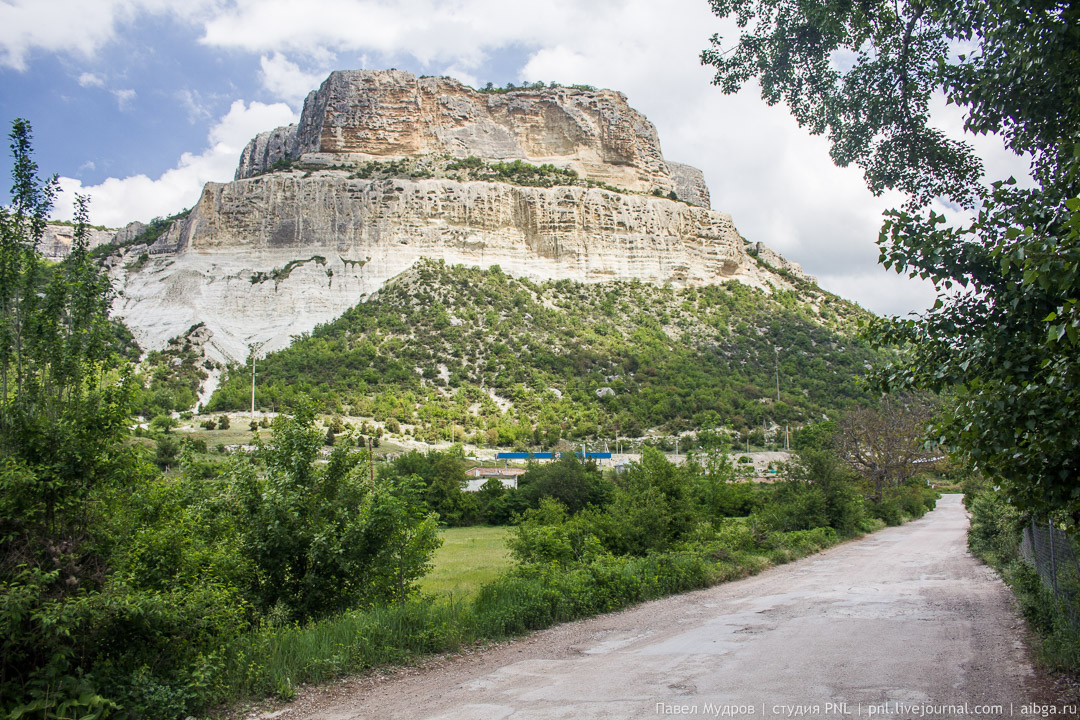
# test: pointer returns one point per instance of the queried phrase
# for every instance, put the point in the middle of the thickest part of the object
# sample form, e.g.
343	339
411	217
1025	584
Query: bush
167	452
323	539
995	528
573	483
797	506
888	510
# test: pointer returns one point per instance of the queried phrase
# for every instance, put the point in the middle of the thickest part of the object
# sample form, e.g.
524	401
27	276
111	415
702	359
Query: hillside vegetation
512	362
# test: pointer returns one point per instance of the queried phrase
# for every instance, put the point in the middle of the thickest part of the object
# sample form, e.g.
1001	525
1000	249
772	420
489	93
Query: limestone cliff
363	114
323	213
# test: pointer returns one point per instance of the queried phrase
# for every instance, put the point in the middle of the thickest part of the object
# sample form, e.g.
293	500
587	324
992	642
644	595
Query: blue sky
138	103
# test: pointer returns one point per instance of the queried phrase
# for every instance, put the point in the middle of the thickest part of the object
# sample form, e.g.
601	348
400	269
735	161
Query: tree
886	444
574	483
64	410
1004	334
442	477
63	406
164	423
324	538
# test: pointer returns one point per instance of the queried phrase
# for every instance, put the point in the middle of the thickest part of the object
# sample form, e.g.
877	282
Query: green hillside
512	362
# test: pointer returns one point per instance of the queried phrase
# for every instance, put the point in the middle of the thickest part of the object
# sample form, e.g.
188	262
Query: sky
139	103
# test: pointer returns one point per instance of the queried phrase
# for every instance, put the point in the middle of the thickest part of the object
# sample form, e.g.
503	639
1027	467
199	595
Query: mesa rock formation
377	175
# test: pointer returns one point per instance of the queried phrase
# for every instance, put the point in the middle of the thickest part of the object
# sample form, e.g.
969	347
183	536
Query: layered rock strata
364	114
281	249
57	239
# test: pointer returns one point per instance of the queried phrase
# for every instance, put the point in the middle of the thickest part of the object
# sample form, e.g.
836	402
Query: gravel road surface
904	623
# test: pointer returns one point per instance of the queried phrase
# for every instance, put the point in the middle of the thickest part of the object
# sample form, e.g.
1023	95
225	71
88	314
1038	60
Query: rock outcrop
307	229
362	114
57	239
265	150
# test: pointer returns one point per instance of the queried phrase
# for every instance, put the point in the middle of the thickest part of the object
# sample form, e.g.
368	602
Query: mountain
393	184
507	361
385	168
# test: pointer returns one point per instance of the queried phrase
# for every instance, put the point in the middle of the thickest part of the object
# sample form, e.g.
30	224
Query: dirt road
901	624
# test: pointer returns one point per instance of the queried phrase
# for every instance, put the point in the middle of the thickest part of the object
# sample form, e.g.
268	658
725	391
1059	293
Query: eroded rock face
57	239
572	232
690	184
272	254
265	149
368	114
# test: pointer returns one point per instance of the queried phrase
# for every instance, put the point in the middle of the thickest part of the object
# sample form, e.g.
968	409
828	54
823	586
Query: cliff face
272	254
588	234
57	239
364	114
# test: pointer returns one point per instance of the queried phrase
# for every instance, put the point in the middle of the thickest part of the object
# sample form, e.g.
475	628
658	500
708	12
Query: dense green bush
324	539
575	484
442	477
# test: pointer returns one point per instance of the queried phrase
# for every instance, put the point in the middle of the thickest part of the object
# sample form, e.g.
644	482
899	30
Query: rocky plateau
322	214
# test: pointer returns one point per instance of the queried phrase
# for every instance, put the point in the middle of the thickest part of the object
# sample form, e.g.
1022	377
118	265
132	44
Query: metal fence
1054	555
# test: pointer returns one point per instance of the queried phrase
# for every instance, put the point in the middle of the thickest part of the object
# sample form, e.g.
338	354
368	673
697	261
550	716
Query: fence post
1053	560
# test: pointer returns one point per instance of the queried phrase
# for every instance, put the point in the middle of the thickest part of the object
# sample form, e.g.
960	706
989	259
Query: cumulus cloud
117	201
77	27
286	80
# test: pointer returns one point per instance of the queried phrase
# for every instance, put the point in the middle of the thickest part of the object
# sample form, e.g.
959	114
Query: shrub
323	539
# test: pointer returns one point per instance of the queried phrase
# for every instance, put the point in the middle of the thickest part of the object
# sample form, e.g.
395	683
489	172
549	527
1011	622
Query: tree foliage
63	407
887	444
1004	333
325	538
575	484
441	477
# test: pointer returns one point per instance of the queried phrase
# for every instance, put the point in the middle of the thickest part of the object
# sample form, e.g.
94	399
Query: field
469	557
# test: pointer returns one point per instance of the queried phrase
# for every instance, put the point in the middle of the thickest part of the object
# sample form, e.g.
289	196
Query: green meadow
469	558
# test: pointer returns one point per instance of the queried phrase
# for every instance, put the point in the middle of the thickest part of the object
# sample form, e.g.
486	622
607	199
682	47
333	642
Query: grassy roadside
994	537
276	661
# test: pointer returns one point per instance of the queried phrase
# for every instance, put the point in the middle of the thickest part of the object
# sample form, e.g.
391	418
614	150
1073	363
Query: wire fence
1054	555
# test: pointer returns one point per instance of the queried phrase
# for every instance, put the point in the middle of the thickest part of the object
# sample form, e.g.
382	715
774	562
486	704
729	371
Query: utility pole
253	383
777	351
255	347
371	461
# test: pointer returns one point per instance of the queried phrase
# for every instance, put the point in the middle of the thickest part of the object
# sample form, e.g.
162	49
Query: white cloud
117	201
88	79
124	98
76	27
287	81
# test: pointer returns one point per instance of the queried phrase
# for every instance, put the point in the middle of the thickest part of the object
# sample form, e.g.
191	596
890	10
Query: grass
469	558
